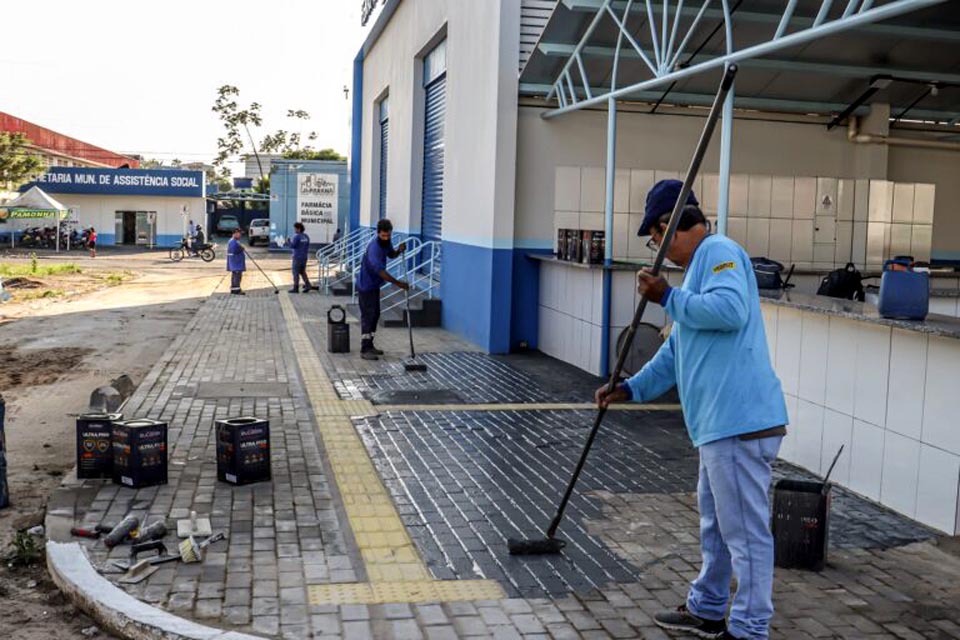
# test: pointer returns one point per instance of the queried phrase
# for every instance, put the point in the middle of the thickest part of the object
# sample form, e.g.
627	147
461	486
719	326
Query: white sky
141	77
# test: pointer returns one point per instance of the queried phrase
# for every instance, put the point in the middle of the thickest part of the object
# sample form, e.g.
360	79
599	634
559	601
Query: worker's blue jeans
735	538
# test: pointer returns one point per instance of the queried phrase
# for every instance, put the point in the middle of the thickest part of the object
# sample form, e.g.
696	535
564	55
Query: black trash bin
801	523
338	331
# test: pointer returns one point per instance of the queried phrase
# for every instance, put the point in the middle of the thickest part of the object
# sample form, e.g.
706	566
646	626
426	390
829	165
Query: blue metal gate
384	142
384	146
435	94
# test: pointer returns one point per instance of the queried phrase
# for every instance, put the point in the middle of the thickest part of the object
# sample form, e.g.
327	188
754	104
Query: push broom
412	364
551	544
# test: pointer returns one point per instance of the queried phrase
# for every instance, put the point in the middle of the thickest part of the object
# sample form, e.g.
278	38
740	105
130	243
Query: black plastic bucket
800	524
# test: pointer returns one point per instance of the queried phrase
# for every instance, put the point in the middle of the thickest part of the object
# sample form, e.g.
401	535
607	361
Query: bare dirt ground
53	352
35	284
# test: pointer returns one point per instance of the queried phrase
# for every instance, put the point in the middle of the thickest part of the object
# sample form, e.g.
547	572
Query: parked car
259	231
226	225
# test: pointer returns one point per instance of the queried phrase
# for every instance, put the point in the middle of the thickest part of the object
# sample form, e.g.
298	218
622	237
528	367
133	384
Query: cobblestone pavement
314	552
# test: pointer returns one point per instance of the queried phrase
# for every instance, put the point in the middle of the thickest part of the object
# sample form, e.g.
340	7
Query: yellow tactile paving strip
395	571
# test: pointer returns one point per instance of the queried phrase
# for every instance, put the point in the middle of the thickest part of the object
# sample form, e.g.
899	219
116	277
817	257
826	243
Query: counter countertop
621	265
616	266
935	324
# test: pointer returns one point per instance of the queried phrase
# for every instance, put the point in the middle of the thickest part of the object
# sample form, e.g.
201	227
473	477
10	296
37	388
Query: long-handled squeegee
551	544
412	364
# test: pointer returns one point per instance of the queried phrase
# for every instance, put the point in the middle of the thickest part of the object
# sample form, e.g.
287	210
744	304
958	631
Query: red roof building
58	150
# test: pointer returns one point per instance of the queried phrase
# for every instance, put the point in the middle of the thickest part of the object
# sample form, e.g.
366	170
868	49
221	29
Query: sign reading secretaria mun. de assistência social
317	205
131	182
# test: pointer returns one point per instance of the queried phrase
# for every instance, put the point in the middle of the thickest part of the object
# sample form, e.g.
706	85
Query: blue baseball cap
660	200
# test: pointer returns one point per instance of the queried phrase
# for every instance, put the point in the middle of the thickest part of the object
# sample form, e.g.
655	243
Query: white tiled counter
887	390
571	309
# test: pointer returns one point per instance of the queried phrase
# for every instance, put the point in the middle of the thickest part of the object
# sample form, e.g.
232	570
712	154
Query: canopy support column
726	142
608	236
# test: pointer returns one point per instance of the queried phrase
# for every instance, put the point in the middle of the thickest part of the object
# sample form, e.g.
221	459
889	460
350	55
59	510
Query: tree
309	154
154	163
238	121
17	164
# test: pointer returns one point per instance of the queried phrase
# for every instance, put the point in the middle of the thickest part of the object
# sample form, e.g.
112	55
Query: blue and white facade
444	73
507	179
145	207
480	166
315	192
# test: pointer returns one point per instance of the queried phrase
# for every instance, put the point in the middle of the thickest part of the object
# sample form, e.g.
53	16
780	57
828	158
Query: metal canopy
824	58
827	57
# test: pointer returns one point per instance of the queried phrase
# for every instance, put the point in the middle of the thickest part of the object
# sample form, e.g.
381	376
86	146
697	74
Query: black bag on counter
768	273
846	283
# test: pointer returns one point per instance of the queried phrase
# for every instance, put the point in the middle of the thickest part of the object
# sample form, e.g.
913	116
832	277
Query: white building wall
480	118
99	211
665	142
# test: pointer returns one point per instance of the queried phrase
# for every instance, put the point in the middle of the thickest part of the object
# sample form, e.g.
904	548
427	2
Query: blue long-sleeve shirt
716	354
374	261
236	257
300	243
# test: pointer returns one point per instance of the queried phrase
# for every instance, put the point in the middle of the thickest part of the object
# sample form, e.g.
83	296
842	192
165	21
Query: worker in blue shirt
300	243
734	409
373	273
236	262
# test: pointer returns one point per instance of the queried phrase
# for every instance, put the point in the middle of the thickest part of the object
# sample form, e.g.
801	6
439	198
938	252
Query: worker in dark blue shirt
236	262
373	273
300	243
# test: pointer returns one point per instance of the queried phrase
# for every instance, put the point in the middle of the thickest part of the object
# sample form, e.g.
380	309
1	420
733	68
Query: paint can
243	450
800	524
94	444
139	452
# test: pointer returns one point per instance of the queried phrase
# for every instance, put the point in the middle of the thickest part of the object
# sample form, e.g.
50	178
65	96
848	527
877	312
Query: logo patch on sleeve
723	266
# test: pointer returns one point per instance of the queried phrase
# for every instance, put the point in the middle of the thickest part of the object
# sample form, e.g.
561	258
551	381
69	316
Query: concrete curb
114	609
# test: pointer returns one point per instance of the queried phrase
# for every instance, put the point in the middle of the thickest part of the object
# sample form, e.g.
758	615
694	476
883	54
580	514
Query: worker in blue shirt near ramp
733	405
300	243
373	273
236	263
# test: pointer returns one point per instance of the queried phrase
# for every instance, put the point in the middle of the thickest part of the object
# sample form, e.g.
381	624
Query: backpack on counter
846	283
768	273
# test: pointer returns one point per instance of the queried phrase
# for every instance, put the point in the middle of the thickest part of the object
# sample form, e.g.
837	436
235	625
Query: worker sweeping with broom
373	273
734	409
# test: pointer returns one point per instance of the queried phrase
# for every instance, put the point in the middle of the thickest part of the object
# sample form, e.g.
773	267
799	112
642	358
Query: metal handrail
423	280
343	250
360	233
350	267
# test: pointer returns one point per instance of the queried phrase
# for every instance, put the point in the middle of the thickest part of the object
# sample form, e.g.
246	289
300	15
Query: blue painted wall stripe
356	140
525	298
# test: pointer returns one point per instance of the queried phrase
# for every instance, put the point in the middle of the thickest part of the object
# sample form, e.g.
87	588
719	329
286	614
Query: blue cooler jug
904	293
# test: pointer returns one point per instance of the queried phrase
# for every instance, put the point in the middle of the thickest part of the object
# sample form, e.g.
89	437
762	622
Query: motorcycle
205	251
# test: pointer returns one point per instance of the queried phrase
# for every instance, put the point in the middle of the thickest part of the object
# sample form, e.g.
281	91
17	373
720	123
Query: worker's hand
404	285
402	247
605	399
651	286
